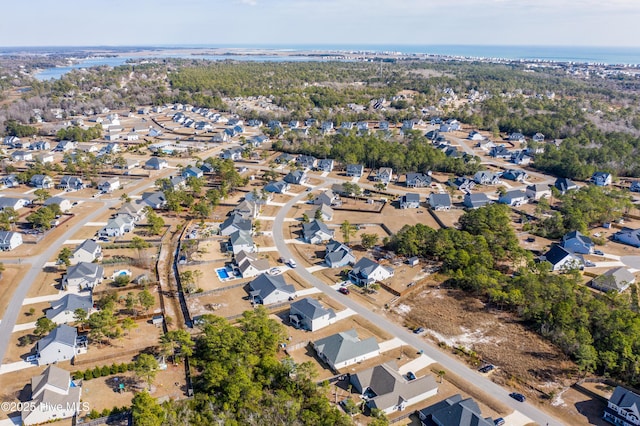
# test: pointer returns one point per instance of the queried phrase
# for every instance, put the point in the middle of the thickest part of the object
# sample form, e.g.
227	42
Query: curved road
448	362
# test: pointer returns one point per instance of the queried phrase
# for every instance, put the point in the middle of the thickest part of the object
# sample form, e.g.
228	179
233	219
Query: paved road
447	361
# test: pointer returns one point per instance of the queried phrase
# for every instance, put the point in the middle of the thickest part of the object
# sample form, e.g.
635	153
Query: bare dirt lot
10	279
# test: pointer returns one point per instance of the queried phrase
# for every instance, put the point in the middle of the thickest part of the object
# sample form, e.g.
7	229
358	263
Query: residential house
63	310
513	198
384	175
10	181
576	242
41	181
83	275
537	191
206	168
63	203
561	259
326	126
258	140
517	137
192	171
254	123
454	411
156	200
250	265
486	144
59	345
316	232
623	408
617	279
247	209
278	187
41	146
367	271
87	147
486	177
220	137
626	236
326	197
135	209
44	158
259	196
109	185
601	179
474	201
22	144
382	387
355	170
635	186
325	165
439	202
269	289
410	201
10	240
117	226
309	314
515	175
87	251
54	396
343	349
449	126
462	183
338	255
521	158
326	212
13	203
11	141
306	162
297	177
417	180
235	222
64	146
475	136
234	154
285	158
500	152
71	183
177	182
156	163
241	240
538	137
22	156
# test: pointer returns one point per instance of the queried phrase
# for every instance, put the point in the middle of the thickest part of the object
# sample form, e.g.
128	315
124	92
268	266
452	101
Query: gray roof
344	346
454	411
85	269
439	200
5	236
241	238
55	200
70	302
62	334
622	397
311	308
312	228
237	221
8	202
410	197
244	260
53	376
476	200
617	279
365	267
579	236
155	162
263	285
88	245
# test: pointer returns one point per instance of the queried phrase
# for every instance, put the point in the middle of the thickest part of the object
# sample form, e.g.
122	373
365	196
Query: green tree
80	315
127	325
305	218
146	299
369	240
65	256
146	367
155	222
146	411
348	230
42	195
44	326
178	343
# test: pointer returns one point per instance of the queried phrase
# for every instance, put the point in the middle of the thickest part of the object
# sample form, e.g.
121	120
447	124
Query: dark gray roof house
623	408
338	255
235	222
345	348
83	275
367	271
410	201
296	177
59	345
563	185
440	201
316	231
417	180
62	310
310	315
474	201
617	279
278	187
356	170
267	289
454	411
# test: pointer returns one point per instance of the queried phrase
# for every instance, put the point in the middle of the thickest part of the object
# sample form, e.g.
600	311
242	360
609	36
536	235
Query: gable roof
622	397
577	235
312	228
311	308
70	302
53	377
556	254
365	267
88	245
264	285
440	200
84	269
62	334
455	411
617	279
344	346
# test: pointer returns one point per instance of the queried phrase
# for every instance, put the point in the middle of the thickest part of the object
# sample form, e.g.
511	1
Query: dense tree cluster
75	133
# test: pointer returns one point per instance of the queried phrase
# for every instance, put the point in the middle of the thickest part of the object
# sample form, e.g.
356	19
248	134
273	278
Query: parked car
292	263
410	375
518	396
32	358
599	252
344	290
486	368
499	421
418	330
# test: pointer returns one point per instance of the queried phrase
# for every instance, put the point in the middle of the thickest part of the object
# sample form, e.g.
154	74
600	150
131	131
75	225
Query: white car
292	263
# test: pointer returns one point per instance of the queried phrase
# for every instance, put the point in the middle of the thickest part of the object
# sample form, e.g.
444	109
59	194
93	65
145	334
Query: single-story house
309	314
59	345
367	271
410	201
440	201
268	289
10	240
156	200
54	396
576	242
156	163
454	411
63	310
475	136
83	275
192	171
13	203
86	251
44	158
617	279
514	198
338	255
474	201
345	348
561	259
316	232
384	388
22	156
626	236
64	204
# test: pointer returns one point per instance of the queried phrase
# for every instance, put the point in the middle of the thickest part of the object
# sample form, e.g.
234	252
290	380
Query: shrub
122	368
113	369
105	371
88	375
97	372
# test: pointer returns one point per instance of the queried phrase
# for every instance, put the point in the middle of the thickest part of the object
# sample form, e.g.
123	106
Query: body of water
600	55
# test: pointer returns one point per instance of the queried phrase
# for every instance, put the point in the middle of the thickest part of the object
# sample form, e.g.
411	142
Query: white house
537	191
63	203
345	348
82	276
309	314
561	259
63	310
316	232
367	271
109	185
623	408
87	251
268	289
514	198
10	240
250	265
59	345
117	226
53	397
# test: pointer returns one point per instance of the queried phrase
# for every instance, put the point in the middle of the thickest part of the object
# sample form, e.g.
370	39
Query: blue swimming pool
222	273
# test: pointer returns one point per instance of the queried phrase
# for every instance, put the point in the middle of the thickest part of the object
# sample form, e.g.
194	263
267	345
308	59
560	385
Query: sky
320	22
